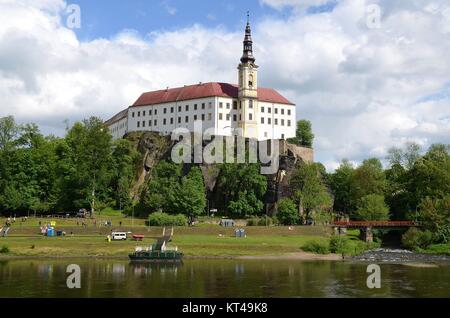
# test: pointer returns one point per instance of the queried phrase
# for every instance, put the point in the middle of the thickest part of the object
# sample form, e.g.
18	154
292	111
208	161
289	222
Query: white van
119	236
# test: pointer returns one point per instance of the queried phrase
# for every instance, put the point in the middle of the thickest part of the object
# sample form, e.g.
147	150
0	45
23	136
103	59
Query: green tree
372	208
85	164
190	197
241	189
304	136
368	178
310	190
341	185
287	212
435	216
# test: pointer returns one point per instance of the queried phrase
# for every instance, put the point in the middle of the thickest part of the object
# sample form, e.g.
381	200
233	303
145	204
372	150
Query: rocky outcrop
154	148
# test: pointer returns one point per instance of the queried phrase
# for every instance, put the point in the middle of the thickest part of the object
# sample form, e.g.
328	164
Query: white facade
258	117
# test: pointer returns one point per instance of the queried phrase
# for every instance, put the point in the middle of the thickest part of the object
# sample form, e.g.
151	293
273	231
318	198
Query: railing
375	224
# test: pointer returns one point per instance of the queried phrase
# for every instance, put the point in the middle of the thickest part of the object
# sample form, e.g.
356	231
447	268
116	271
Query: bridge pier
366	234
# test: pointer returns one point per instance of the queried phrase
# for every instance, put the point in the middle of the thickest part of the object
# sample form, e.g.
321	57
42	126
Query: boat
158	252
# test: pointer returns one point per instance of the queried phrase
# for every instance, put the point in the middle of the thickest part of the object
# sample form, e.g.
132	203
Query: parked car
119	236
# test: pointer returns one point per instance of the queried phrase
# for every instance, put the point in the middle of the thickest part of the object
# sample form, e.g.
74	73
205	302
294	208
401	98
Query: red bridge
364	224
367	226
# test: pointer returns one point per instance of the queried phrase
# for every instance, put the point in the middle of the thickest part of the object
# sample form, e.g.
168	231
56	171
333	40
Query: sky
368	74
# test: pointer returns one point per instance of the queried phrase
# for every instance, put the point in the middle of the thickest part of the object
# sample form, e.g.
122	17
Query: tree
85	164
9	131
241	189
287	212
310	191
368	178
341	183
125	158
190	198
304	136
404	157
435	216
372	208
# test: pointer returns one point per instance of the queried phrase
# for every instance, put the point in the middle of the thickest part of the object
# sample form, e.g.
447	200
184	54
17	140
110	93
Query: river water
219	278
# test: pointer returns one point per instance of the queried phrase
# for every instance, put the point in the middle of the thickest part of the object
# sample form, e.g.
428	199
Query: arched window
250	81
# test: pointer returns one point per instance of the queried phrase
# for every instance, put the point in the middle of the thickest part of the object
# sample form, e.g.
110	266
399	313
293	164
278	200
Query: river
219	278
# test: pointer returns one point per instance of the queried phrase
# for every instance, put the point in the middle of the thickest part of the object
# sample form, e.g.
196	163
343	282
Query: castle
259	113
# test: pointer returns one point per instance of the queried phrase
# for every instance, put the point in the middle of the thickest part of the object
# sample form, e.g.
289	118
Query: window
139	114
250	116
276	121
156	112
289	112
235	117
282	136
240	105
155	122
165	111
250	81
228	116
187	108
143	123
235	105
186	119
240	117
228	105
262	120
203	117
269	121
171	110
203	105
143	113
132	114
289	123
209	105
262	109
220	105
220	116
195	117
276	110
149	123
250	103
209	116
282	122
164	121
138	124
265	134
179	120
269	110
150	112
195	106
171	120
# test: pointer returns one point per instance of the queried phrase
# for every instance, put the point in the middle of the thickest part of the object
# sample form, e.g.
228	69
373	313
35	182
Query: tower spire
247	56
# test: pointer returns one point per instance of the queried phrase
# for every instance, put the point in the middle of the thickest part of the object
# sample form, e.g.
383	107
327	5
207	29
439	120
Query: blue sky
105	18
364	89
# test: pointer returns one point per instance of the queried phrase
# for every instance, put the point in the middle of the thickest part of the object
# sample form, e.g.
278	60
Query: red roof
205	90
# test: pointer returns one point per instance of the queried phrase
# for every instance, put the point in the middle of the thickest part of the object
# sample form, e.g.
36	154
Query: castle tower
248	87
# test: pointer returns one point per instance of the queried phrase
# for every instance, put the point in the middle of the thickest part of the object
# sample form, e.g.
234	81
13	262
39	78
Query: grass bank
205	240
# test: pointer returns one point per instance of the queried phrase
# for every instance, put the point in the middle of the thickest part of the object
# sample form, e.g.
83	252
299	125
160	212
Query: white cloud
364	89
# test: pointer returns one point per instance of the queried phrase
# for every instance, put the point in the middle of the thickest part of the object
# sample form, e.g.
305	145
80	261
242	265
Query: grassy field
204	240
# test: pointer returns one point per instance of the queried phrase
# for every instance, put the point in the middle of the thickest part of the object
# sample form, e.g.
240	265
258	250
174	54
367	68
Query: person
120	224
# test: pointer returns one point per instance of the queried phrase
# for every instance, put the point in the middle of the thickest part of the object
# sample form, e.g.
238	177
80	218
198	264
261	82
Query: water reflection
218	278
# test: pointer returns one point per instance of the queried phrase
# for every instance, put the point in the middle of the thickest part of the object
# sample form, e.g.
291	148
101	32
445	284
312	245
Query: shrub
252	222
287	212
164	219
4	250
415	238
318	247
338	244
